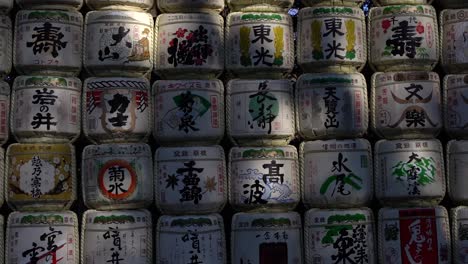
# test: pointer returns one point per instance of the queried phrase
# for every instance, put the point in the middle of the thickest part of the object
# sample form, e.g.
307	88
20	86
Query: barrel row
400	235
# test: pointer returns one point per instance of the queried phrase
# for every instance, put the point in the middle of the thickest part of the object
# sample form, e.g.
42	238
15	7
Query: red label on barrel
418	236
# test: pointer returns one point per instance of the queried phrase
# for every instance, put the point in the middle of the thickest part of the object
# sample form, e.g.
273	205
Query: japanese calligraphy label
457	163
117	176
117	237
262	238
6	42
4	111
454	27
118	43
459	216
40	176
259	44
51	4
455	105
414	235
138	5
339	236
331	105
336	173
406	104
332	39
189	6
6	6
190	179
403	37
48	42
188	111
409	172
117	109
264	178
189	45
42	237
260	5
260	112
194	239
46	109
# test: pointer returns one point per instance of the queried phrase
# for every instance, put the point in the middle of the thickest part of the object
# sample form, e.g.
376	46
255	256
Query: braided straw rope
189	6
130	5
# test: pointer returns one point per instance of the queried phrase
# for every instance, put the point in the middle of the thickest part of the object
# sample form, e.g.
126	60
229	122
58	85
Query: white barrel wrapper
414	235
48	42
337	236
388	26
264	178
188	111
336	173
117	176
118	43
258	238
46	109
41	237
194	238
190	179
455	105
409	172
260	112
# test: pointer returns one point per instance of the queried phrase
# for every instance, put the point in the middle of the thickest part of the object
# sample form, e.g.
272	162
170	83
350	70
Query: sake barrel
331	105
188	112
266	238
189	46
169	6
2	238
4	112
341	235
457	160
264	178
332	39
137	5
260	5
191	239
51	4
40	237
48	42
117	109
118	43
409	172
2	183
336	173
120	236
190	180
46	109
260	112
40	176
403	38
6	5
455	105
403	2
459	231
117	176
406	105
259	44
453	24
6	45
414	234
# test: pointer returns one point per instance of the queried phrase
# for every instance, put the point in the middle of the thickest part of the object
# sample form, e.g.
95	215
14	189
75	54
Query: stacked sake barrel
406	111
190	166
117	171
260	122
336	162
45	119
453	21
